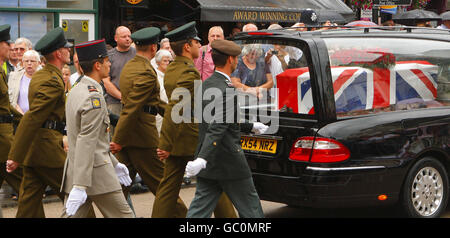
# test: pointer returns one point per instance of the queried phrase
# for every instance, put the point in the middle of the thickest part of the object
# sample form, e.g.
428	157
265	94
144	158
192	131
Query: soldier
91	173
220	159
38	141
7	114
136	136
178	140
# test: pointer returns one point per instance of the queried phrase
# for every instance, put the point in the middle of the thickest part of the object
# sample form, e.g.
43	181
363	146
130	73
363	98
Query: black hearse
362	117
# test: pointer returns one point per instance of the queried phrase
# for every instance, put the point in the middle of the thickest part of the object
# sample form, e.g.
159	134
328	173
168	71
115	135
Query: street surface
143	203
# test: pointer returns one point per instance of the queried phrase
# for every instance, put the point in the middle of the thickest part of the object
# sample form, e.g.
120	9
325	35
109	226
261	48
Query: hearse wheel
425	192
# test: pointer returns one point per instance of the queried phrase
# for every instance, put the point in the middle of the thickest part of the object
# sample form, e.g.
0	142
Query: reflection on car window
275	76
387	74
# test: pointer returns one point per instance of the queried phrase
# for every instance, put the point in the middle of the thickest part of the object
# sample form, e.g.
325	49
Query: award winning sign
306	16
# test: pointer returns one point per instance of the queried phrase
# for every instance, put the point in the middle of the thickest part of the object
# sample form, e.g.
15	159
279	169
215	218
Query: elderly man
21	45
445	21
204	62
249	27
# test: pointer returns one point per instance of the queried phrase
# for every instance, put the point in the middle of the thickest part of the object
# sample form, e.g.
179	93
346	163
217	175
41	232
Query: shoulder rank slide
92	89
95	103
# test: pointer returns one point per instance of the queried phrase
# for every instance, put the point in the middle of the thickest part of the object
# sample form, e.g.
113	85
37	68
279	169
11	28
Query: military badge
95	103
92	89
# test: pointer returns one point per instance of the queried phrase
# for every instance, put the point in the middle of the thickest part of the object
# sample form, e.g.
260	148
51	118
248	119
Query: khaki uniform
38	149
89	162
6	137
180	139
136	129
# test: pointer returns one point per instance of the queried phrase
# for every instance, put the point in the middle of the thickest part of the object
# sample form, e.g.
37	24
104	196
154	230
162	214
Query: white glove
123	175
259	128
76	198
194	167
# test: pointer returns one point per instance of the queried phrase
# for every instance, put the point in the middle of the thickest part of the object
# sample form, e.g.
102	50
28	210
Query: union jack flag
357	88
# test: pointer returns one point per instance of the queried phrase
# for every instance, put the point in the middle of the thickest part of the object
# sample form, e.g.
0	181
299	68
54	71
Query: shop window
27	24
65	4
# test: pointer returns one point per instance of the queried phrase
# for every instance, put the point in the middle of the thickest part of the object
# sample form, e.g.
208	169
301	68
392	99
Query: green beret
146	36
4	33
52	41
226	47
184	32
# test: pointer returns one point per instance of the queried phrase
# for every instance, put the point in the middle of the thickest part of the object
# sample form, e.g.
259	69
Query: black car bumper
328	188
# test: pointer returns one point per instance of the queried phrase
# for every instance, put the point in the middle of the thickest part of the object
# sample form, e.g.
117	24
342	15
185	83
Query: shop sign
392	2
134	3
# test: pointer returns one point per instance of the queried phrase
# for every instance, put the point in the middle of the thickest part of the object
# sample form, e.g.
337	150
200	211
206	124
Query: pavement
137	188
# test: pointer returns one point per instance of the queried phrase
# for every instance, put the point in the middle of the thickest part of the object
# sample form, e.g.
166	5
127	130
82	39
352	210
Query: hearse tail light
322	150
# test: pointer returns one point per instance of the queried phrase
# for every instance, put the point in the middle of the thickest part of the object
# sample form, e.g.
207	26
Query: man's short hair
88	66
219	58
25	41
177	46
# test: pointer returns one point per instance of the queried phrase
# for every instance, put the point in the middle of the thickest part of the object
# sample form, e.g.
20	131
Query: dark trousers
145	162
32	189
170	186
13	179
242	193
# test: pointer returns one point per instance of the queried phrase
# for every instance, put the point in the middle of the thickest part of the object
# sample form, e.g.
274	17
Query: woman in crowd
19	81
162	58
252	74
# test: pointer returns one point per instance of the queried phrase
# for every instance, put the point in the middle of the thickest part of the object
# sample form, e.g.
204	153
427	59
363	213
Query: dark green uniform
226	169
40	149
180	139
136	129
6	135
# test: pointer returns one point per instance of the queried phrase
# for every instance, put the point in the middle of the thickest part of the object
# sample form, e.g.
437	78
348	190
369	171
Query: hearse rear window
372	75
274	77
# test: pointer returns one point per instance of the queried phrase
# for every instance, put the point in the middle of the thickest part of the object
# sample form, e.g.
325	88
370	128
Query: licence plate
259	144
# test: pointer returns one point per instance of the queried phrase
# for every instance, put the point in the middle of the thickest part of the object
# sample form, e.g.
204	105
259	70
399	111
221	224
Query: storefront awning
272	10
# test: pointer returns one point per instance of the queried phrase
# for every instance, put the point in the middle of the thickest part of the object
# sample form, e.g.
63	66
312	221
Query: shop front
34	18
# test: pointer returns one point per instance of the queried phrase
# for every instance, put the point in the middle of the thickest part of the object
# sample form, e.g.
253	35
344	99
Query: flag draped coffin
358	88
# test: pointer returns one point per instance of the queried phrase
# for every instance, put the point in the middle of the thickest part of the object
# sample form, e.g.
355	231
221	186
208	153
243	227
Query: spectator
249	27
445	25
300	26
43	61
74	77
252	73
21	45
388	23
12	60
278	60
19	81
204	62
163	59
234	31
66	77
119	56
164	44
